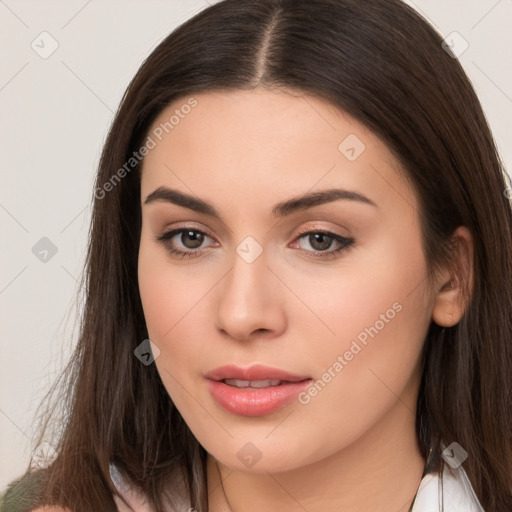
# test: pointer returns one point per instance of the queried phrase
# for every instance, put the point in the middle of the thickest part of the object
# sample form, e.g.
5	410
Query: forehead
262	144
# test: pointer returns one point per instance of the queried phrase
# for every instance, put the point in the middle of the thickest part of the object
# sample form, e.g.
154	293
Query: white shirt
457	494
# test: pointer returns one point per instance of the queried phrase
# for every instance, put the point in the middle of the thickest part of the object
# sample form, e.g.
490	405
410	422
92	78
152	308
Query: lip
255	372
254	401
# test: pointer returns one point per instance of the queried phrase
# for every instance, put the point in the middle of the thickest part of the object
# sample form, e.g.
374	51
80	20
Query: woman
301	205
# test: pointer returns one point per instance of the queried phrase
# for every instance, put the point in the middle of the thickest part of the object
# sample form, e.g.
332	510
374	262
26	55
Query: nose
250	303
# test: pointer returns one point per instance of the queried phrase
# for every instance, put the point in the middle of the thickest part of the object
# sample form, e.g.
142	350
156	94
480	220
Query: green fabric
21	494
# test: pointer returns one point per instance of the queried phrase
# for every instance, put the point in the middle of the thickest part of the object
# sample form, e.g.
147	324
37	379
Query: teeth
252	383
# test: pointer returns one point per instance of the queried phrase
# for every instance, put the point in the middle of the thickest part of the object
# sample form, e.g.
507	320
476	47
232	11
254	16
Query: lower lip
255	401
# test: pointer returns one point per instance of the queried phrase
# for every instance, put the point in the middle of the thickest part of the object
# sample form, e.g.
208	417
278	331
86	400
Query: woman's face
281	271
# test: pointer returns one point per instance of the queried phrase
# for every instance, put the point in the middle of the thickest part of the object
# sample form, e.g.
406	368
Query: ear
455	285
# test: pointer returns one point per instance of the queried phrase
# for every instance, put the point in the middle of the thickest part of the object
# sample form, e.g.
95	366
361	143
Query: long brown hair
380	62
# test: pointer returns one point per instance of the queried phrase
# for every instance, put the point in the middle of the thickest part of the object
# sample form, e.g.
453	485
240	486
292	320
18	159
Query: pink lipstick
254	391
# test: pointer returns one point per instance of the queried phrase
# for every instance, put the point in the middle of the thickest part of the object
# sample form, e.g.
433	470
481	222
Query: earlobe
447	308
454	294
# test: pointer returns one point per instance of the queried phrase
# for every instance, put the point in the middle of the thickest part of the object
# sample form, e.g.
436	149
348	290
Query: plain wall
54	116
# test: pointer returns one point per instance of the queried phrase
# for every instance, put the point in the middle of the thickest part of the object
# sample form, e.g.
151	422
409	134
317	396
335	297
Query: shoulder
22	494
134	499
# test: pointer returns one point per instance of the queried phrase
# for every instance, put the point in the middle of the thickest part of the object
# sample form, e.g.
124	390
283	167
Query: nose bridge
247	282
248	301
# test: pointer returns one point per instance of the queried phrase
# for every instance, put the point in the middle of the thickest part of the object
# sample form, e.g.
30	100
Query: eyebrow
282	209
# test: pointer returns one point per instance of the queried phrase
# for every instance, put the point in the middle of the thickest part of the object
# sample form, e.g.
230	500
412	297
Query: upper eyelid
315	227
301	233
180	229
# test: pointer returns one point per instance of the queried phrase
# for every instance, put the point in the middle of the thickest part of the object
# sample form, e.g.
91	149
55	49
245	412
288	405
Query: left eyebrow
317	198
282	209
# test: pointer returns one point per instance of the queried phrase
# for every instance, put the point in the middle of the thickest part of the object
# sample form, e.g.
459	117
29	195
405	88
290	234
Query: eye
322	241
183	242
188	242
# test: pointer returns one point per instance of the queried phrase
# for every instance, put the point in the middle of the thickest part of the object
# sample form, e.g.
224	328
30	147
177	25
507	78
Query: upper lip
255	372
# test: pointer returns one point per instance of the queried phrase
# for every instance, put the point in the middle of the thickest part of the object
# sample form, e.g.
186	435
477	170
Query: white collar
454	493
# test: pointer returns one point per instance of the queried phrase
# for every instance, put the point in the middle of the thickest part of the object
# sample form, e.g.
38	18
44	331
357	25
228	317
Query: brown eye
192	239
184	242
320	241
323	244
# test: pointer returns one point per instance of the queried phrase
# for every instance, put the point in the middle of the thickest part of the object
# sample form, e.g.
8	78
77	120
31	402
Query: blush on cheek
172	313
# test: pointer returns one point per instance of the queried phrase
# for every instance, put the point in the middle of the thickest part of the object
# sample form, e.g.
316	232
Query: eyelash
345	243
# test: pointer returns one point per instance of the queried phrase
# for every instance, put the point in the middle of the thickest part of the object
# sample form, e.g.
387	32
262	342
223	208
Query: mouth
254	391
256	374
258	384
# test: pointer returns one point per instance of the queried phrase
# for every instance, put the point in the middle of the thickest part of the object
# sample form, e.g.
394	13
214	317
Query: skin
353	446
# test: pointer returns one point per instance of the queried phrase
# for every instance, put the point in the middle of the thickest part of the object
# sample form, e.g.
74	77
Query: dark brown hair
379	61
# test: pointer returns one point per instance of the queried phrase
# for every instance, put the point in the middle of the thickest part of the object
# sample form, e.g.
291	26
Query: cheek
167	301
163	298
173	300
168	292
375	317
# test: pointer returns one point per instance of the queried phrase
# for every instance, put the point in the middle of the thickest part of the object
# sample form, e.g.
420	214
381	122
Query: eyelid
346	241
168	234
183	226
316	227
303	230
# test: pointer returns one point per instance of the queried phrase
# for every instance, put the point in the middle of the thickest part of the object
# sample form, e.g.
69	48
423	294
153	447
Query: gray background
55	113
